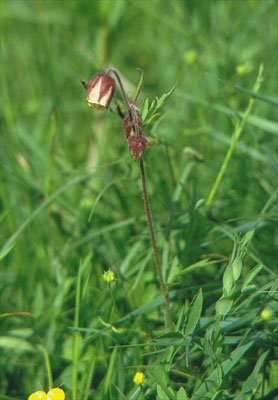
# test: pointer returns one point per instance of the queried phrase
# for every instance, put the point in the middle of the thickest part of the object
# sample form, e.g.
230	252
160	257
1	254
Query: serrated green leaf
251	275
194	313
182	394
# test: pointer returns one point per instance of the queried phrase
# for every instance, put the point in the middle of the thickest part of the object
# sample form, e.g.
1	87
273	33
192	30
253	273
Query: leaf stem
163	287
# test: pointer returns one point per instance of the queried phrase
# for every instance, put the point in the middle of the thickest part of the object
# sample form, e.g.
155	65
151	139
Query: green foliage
71	202
150	112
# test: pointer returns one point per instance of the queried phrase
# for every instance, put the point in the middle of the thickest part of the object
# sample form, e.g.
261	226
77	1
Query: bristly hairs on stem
163	287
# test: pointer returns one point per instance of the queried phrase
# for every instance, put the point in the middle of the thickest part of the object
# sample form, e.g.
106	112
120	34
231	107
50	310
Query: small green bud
266	314
109	276
190	57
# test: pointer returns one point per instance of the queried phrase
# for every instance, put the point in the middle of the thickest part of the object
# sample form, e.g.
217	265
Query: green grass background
62	162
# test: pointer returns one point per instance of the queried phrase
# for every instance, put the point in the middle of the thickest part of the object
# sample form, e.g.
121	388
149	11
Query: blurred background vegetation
71	194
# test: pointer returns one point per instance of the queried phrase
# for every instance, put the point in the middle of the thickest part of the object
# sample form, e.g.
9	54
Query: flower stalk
117	75
137	144
163	286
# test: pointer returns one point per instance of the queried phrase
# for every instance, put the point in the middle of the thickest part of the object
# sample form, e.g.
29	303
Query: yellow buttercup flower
53	394
139	378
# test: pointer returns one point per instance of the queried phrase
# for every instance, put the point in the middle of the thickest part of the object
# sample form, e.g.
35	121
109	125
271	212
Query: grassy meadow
71	202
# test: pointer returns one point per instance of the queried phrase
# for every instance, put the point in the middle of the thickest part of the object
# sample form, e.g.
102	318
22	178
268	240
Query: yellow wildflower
53	394
139	378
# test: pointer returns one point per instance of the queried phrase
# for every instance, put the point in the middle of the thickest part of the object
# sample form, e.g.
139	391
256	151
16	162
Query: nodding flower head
100	91
137	145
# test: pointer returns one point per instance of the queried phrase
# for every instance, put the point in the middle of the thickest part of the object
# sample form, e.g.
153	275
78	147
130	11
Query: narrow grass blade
267	99
75	335
235	137
11	241
110	371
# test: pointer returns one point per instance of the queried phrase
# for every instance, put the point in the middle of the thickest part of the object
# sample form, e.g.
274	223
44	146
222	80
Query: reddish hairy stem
163	287
116	73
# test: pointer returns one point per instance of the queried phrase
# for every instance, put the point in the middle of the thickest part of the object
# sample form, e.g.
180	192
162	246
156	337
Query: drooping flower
100	91
53	394
139	378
